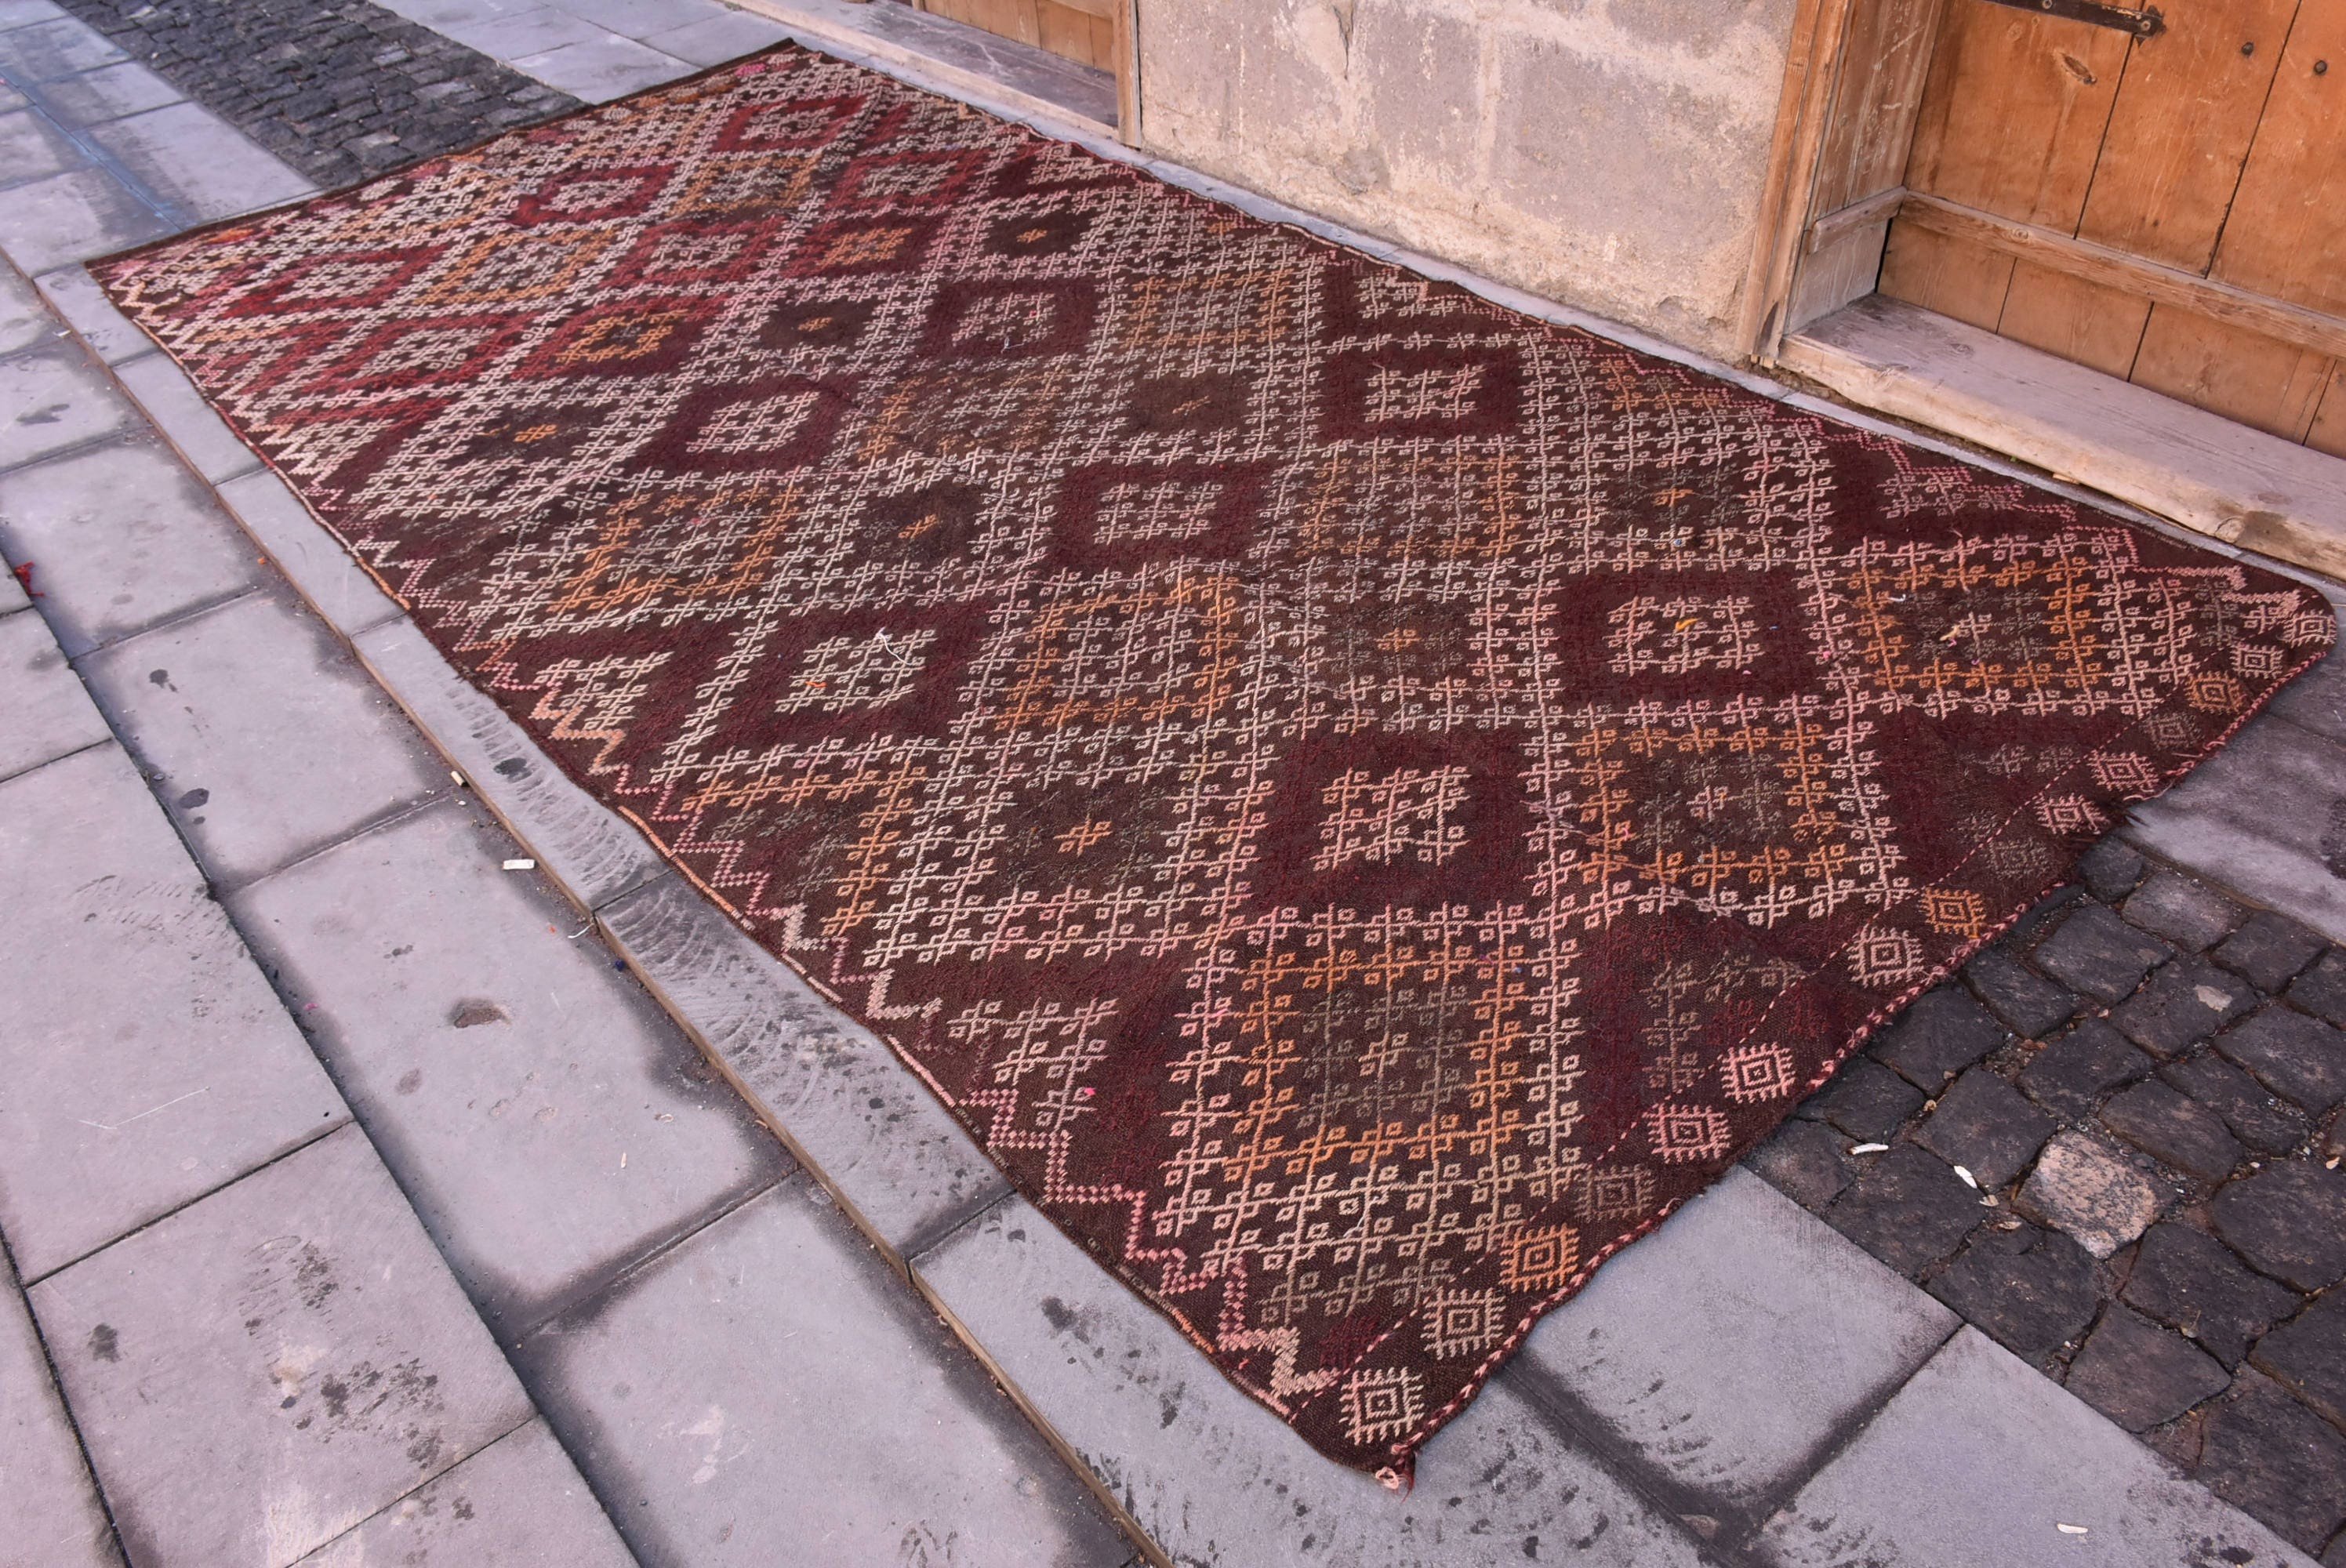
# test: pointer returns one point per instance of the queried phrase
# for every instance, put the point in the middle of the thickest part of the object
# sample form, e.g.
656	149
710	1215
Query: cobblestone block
2192	915
261	1372
2295	1055
1803	1160
73	294
1983	1126
1981	1460
519	1500
2070	1076
1907	1209
2084	1188
146	1060
121	536
2028	1003
2112	868
2141	1375
2322	989
1214	1478
46	713
1941	1035
186	420
2175	1130
2034	1290
547	1121
49	1509
52	399
2095	951
2290	1221
765	1384
1743	1318
2308	1356
72	217
1865	1100
2256	1117
264	737
2268	950
2192	1282
198	163
2262	1451
2184	1003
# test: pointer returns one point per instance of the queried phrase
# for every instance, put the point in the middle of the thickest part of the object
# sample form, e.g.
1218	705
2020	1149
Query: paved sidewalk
418	1208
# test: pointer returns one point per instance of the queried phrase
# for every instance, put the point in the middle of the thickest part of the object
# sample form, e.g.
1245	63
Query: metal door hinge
2146	23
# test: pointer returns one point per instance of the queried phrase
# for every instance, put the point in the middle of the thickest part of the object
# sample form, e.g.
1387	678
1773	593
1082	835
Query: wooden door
2168	205
1082	30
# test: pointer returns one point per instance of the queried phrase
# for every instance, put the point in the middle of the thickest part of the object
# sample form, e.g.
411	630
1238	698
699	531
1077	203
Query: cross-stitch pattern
1361	801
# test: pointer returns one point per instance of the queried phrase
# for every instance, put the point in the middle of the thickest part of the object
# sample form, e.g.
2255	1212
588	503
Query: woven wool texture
1360	801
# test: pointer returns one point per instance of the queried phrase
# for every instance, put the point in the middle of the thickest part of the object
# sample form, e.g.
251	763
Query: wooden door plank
1885	59
1008	18
2329	431
2090	323
2286	236
1075	34
2232	371
1958	277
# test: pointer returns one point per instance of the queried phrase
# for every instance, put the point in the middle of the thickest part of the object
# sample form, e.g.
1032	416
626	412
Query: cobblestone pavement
340	89
336	1244
2114	1145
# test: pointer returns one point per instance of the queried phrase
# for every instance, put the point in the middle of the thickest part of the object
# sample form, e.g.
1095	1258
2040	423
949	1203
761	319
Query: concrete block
49	1511
53	398
107	93
1730	1347
598	72
262	1371
848	1106
171	400
1982	1460
2262	813
263	735
48	713
640	18
320	565
519	1500
769	1389
718	39
31	148
199	163
73	217
44	51
146	1060
590	851
121	536
1213	1478
24	320
545	1120
73	294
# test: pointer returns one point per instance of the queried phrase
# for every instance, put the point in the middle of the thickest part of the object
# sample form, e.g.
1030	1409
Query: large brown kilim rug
1361	801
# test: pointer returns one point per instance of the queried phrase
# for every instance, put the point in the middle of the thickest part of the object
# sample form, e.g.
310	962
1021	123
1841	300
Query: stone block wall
1606	153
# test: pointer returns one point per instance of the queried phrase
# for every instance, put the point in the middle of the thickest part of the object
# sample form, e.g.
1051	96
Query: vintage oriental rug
1360	800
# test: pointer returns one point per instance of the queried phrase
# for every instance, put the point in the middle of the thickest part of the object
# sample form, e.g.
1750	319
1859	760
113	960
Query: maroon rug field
1358	801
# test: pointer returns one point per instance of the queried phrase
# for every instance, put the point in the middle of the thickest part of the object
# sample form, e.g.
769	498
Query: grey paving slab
598	72
768	1390
337	588
75	295
73	217
121	536
848	1106
640	18
32	148
1213	1478
261	1372
13	597
16	13
46	713
198	162
1981	1460
547	1121
50	1516
2317	700
2267	815
24	320
520	1499
107	93
44	51
1729	1347
435	13
509	34
146	1060
52	398
172	404
262	734
590	851
718	38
